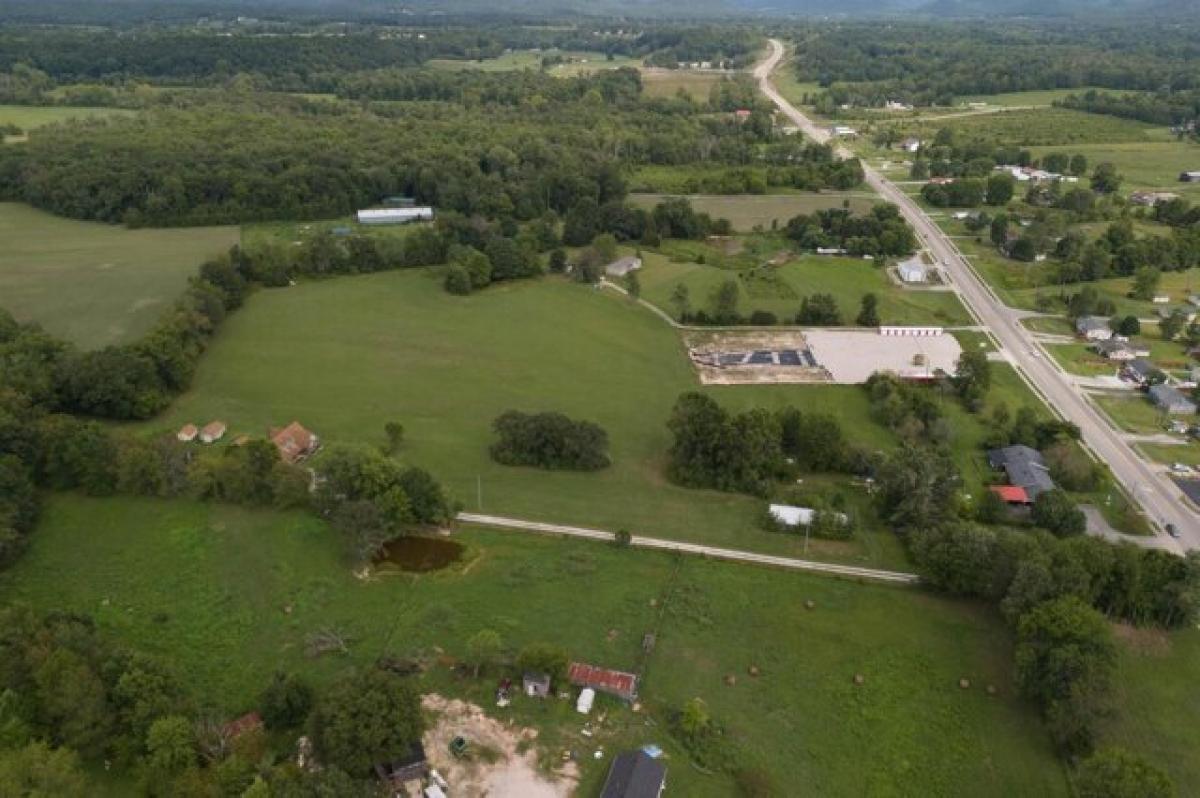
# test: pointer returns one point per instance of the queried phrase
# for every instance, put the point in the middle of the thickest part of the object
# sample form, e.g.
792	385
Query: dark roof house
634	774
1025	468
1170	399
409	766
536	685
1141	369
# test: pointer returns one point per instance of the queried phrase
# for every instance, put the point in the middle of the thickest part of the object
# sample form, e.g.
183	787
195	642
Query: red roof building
294	442
1011	493
622	685
251	721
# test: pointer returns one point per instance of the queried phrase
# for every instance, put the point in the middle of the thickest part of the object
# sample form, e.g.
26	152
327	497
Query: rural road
1160	498
734	555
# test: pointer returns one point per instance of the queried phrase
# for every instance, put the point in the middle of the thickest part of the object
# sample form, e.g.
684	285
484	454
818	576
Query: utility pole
479	491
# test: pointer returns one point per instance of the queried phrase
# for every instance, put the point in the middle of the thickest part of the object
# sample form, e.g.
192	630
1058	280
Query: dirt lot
851	356
706	348
494	767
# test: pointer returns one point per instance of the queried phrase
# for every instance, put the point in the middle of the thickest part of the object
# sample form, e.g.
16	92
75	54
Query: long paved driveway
734	555
1161	499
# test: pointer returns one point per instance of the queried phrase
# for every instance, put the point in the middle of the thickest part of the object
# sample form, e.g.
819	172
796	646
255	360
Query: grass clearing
577	62
96	284
31	117
745	211
1041	97
1133	413
669	82
1144	165
847	279
909	730
1186	453
346	356
1040	127
1157	701
1080	359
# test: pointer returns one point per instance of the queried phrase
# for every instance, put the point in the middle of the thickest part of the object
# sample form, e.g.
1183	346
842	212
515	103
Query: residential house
294	442
830	251
1141	371
896	105
212	432
1160	299
622	685
913	270
187	433
1189	177
1186	312
623	266
536	685
635	774
1093	328
1115	349
843	131
1169	399
910	145
1024	467
941	181
1011	494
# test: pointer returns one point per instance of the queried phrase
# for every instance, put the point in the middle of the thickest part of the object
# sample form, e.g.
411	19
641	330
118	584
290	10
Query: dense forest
923	64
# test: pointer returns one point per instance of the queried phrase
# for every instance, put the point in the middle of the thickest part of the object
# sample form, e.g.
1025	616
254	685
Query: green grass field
578	63
1157	701
1186	453
1133	413
669	82
30	117
1080	359
847	279
96	284
745	211
1144	165
1041	97
206	587
1041	127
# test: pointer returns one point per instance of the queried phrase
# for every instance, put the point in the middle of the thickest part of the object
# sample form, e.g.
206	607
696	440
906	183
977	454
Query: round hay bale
809	604
991	689
964	683
730	679
859	678
753	670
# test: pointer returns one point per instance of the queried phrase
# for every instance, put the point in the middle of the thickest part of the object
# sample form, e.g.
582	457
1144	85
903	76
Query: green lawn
1041	127
1054	325
1081	359
578	62
29	117
1157	702
1042	97
847	279
1154	164
345	356
96	284
1133	413
1186	453
226	596
745	211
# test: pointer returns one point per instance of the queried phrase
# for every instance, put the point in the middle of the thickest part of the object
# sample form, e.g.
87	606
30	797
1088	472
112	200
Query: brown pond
419	554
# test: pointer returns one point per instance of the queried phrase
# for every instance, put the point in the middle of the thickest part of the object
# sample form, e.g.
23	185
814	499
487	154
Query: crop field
257	582
28	117
780	289
120	280
669	82
745	211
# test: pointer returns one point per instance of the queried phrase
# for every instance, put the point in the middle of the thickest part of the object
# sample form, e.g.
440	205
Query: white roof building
587	697
790	515
913	270
395	215
623	266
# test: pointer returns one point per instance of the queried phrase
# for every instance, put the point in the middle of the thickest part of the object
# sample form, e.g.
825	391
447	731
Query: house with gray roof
1115	349
1025	468
635	774
1093	328
1142	371
1170	399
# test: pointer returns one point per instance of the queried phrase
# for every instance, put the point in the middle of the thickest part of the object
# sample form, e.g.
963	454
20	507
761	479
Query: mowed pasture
846	279
96	284
1040	127
577	62
203	586
1144	165
29	117
747	211
669	82
346	356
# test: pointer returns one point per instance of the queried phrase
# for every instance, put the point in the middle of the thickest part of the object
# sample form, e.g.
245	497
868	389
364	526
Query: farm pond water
419	554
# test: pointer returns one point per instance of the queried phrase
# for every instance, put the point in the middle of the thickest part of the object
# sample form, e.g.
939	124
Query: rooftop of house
610	681
1085	323
1168	395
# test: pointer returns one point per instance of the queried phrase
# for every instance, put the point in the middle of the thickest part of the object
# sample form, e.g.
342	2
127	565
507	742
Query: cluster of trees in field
881	233
1120	251
70	699
751	451
1161	107
923	64
549	440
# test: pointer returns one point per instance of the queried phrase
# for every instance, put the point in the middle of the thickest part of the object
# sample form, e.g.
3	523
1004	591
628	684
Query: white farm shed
395	215
790	515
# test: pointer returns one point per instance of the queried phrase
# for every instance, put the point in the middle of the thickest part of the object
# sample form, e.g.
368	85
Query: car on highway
1181	468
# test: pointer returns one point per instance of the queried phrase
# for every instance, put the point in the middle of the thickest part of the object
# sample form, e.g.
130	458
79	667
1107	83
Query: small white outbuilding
587	697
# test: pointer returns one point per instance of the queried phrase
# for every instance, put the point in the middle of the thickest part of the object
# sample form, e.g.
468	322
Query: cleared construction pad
751	357
851	356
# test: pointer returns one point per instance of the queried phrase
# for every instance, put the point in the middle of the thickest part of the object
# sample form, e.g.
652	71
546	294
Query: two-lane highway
1161	499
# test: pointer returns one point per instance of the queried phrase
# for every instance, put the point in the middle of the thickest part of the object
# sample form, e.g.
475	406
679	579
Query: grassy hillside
227	596
96	284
